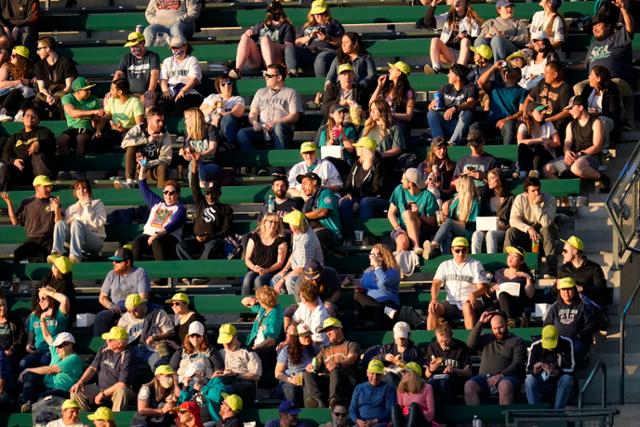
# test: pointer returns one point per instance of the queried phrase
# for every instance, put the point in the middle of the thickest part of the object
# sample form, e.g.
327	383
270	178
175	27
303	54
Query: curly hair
189	348
267	296
22	69
388	259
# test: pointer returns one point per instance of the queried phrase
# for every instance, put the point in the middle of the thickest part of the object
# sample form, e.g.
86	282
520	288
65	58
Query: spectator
338	131
206	393
321	210
604	101
477	163
288	412
265	254
163	229
381	127
311	312
265	43
538	140
12	345
416	405
183	317
28	153
506	100
337	362
274	111
459	216
171	20
200	146
5	49
322	168
532	219
502	361
497	202
464	280
124	109
399	354
504	34
396	91
513	302
572	317
292	360
372	402
305	247
82	225
482	60
317	43
325	280
60	279
15	78
550	368
345	93
157	399
352	52
448	365
554	93
103	417
459	98
152	142
230	411
149	327
242	368
196	354
411	212
551	22
439	166
179	75
282	203
55	379
19	22
339	415
223	109
141	68
460	26
591	283
583	144
377	294
54	75
212	224
543	52
363	187
116	369
123	280
70	415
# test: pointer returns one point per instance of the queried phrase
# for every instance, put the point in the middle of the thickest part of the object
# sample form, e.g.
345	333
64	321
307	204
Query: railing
576	417
623	322
599	367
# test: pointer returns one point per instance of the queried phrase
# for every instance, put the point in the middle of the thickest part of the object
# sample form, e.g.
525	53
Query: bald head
499	326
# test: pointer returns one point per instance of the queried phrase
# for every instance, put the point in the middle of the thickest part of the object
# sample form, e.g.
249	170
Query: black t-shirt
55	75
457	356
37	217
452	96
281	209
591	277
553	98
613	53
18	144
483	163
138	70
262	255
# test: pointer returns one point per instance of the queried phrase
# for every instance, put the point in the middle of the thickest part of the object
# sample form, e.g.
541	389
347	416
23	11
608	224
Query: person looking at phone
477	163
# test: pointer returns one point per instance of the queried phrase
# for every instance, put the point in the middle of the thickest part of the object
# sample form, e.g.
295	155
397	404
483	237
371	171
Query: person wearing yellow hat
17	93
465	282
396	91
590	280
156	399
182	313
141	68
415	399
338	130
347	91
70	411
102	417
550	369
323	168
230	409
373	401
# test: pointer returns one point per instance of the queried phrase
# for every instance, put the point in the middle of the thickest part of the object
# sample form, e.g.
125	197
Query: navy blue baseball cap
288	407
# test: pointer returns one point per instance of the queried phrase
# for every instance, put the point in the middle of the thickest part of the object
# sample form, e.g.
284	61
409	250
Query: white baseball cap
196	328
62	338
401	330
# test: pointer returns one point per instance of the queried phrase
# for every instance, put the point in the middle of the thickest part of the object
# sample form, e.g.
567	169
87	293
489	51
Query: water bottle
492	389
477	422
271	204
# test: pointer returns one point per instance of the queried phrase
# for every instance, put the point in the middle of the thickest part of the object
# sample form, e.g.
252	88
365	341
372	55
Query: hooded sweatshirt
169	12
574	320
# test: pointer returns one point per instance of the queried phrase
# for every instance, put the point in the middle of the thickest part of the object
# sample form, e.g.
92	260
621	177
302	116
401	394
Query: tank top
262	255
582	135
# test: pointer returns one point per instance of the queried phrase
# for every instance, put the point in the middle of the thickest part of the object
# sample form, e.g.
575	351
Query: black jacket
562	357
575	320
213	220
591	277
371	185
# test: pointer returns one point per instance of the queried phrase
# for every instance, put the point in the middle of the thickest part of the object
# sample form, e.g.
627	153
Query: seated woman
223	110
604	102
496	202
82	226
58	376
459	216
397	355
460	26
15	85
537	139
415	402
196	350
124	110
265	254
380	127
338	131
292	361
543	53
157	400
352	52
179	75
396	91
551	22
513	302
376	297
53	308
440	167
265	42
201	139
60	279
183	316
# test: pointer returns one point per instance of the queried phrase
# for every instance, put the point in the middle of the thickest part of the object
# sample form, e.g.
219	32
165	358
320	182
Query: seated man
311	312
334	371
554	93
275	109
532	220
141	68
242	368
550	368
54	75
477	163
174	19
373	401
230	409
282	203
504	34
503	356
149	328
321	210
70	411
465	281
311	163
412	212
347	93
590	281
116	366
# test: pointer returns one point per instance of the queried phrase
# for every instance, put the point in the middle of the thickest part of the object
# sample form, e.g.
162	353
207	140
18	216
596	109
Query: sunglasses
169	193
62	345
459	251
41	47
269	76
117	262
173	304
223	84
195	335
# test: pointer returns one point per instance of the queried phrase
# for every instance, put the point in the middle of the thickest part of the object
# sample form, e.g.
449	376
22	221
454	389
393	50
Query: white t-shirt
59	423
466	25
459	279
227	105
537	24
547	130
595	101
314	320
180	72
532	74
323	168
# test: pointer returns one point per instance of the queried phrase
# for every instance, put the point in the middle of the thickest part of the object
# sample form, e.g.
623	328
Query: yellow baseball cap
70	404
102	414
318	7
402	66
514	250
164	370
180	296
116	333
226	333
134	38
366	142
550	337
376	367
62	263
295	218
42	180
517	54
575	242
460	241
415	367
566	283
233	401
132	301
344	67
22	51
306	147
330	323
483	50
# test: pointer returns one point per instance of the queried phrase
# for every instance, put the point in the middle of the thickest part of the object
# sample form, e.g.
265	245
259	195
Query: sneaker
534	174
604	183
418	251
199	280
311	402
235	74
26	407
426	253
119	184
5	118
19	116
428	69
63	176
74	260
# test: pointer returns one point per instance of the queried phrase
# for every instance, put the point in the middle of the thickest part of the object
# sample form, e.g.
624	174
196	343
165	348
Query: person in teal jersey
321	210
412	212
339	132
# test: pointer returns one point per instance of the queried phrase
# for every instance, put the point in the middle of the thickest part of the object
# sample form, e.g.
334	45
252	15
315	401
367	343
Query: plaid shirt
305	247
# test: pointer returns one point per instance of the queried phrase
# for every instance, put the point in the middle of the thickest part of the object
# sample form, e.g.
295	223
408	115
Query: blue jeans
281	135
535	387
253	281
446	232
455	129
229	128
207	172
492	238
152	358
179	29
500	46
368	208
446	390
79	236
40	358
296	56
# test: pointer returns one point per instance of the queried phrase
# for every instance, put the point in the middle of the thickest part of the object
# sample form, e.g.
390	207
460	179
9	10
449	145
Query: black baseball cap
311	175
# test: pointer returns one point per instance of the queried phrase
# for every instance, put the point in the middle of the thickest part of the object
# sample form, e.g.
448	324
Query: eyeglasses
169	193
460	251
340	414
269	76
175	303
62	345
40	48
565	251
195	336
374	254
43	299
223	84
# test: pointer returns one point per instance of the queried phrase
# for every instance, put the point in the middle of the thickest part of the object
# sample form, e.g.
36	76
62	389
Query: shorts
452	312
426	232
561	167
481	380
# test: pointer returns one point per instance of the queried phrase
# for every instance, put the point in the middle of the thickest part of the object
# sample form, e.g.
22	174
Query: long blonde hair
388	259
466	196
262	229
386	118
311	21
411	383
195	124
